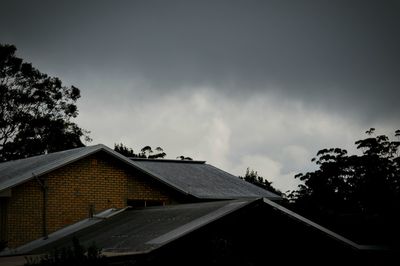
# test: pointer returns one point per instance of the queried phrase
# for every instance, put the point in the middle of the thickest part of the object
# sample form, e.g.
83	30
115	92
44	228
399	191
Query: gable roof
13	173
188	177
139	231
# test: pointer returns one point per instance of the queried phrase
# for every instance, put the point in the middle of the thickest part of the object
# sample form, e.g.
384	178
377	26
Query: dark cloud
261	84
338	55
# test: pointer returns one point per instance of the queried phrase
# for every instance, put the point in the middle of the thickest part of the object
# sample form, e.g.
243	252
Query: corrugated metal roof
189	177
129	232
16	172
203	180
137	231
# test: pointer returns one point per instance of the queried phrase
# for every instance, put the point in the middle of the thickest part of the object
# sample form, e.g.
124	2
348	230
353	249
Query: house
158	211
42	194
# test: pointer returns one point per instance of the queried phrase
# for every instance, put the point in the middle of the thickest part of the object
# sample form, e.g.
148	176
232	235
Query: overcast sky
259	84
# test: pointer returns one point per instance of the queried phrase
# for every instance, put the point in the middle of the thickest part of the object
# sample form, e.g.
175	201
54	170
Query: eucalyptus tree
36	110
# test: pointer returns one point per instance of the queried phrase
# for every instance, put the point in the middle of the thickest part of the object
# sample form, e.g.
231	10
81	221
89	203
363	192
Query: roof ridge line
166	160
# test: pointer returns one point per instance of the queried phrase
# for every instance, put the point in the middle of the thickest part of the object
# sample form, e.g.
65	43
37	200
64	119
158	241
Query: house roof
194	178
202	180
15	172
301	219
128	231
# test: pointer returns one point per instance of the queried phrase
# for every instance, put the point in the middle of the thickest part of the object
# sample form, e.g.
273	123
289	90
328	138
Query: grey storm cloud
245	83
342	55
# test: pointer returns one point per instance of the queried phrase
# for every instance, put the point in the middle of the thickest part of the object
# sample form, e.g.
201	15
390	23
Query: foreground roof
194	178
302	220
131	232
128	231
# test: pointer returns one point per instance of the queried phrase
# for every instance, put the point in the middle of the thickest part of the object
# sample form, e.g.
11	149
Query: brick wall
97	182
24	214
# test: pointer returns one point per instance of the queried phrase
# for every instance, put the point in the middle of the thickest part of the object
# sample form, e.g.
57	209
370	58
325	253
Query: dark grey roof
136	231
16	172
129	232
13	173
318	227
189	177
202	180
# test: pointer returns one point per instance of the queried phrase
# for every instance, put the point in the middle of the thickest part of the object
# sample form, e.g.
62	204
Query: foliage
183	158
252	176
35	110
128	152
365	186
145	152
76	255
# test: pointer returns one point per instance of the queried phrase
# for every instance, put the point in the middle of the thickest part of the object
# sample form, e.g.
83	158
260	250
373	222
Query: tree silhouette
145	152
183	158
159	154
122	149
355	189
252	176
35	110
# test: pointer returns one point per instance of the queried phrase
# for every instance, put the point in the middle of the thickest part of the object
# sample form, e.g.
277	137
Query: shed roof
129	232
194	178
136	231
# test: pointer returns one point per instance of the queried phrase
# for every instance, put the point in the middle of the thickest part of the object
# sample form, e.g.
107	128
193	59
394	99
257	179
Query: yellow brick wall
24	214
98	180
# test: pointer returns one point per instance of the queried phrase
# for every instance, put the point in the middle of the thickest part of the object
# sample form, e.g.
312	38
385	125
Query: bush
76	255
